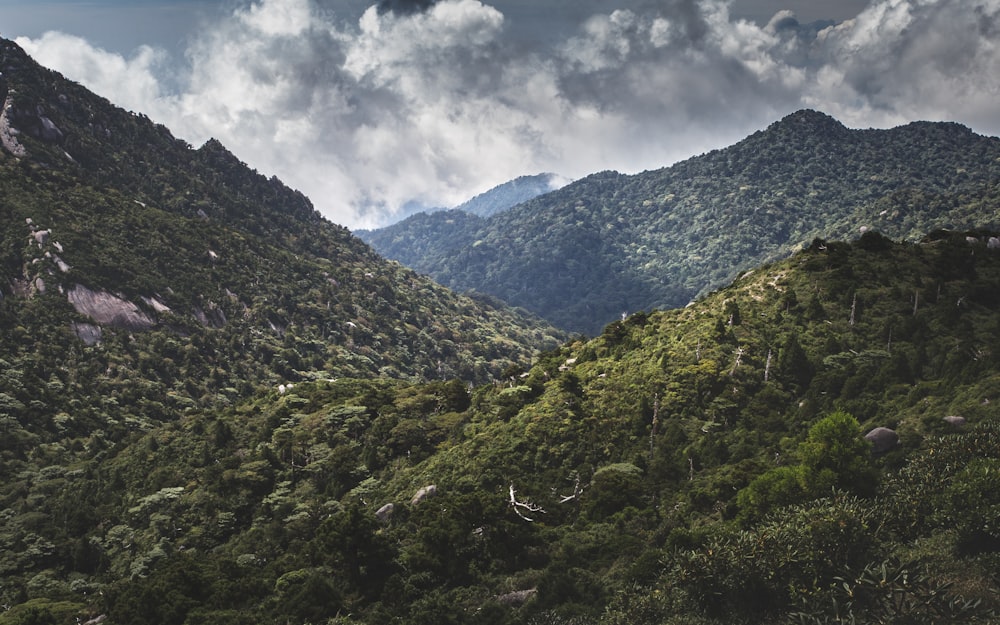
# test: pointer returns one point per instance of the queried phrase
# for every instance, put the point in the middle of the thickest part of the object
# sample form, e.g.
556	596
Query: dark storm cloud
404	7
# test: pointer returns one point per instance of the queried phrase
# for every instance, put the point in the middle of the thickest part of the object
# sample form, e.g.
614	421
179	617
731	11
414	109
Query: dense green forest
218	408
140	277
700	465
420	235
610	243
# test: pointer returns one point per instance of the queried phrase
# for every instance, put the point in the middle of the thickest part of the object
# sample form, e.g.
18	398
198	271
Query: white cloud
436	105
132	83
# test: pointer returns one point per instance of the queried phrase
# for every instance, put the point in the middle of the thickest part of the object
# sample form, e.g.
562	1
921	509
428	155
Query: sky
375	108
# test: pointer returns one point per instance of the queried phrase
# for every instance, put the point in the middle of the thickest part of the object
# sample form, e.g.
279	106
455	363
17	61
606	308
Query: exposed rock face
211	317
518	597
156	304
48	131
424	493
8	134
107	309
882	439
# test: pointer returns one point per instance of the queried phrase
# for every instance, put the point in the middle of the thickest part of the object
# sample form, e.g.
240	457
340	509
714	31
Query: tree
833	456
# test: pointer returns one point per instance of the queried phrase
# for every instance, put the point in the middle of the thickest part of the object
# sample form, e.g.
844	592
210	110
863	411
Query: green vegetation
703	465
611	243
232	279
301	438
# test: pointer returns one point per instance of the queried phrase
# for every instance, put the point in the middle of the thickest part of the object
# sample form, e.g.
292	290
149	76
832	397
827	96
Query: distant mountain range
610	243
409	240
509	194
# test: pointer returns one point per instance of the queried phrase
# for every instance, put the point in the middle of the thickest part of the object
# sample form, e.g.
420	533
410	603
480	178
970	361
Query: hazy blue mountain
416	240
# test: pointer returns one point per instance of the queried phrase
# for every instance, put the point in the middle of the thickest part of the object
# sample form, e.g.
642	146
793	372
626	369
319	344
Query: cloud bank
422	103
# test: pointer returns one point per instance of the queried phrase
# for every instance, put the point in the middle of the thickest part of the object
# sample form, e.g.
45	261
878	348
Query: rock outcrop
422	494
955	421
108	309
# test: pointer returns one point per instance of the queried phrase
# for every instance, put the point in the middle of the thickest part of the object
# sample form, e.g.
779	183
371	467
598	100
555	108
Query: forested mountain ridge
509	194
418	236
141	280
701	465
611	243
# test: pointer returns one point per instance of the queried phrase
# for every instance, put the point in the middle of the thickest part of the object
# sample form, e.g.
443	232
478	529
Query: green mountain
425	235
218	408
700	465
509	194
141	279
611	243
419	235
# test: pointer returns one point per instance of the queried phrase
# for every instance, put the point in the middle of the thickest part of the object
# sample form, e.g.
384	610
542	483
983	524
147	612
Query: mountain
611	243
508	194
218	408
417	237
701	465
141	280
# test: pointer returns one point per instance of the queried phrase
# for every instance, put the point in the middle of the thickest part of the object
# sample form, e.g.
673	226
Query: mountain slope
509	194
419	237
619	480
612	243
141	279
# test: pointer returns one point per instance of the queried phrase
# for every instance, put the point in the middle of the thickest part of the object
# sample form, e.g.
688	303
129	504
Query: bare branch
739	358
525	505
577	490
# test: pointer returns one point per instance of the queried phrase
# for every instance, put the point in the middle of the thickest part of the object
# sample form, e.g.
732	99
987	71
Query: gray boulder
384	513
882	439
424	493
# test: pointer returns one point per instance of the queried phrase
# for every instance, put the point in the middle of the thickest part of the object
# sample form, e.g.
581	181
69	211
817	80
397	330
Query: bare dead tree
767	366
854	307
523	508
736	363
577	490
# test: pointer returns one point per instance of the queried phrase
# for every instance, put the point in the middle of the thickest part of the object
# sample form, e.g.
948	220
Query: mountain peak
809	120
511	193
